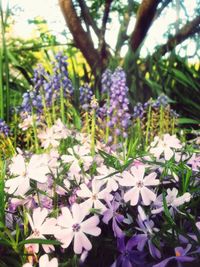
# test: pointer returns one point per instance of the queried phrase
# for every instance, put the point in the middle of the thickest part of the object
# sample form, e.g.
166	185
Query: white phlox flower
135	178
172	199
166	145
95	196
36	169
72	226
41	226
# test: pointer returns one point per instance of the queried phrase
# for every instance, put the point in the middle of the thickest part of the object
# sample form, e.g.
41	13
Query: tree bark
81	38
87	17
145	16
185	32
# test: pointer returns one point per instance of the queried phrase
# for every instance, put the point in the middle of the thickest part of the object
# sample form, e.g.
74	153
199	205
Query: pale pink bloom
95	196
135	178
27	265
79	156
44	262
61	129
165	145
172	199
27	122
71	225
111	181
49	138
41	225
53	161
194	161
137	163
198	225
36	169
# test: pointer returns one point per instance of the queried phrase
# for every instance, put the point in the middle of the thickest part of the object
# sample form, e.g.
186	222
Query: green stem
35	134
87	121
62	105
148	126
93	125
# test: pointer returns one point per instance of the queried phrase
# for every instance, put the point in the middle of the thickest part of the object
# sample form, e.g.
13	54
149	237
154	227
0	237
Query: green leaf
187	121
166	210
39	241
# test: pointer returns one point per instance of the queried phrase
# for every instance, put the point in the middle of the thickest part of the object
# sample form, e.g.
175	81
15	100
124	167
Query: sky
50	11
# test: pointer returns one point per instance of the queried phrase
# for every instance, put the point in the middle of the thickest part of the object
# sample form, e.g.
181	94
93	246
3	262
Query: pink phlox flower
44	262
36	169
41	226
28	122
111	181
172	199
135	178
79	157
71	225
61	129
49	138
198	225
166	145
194	161
95	196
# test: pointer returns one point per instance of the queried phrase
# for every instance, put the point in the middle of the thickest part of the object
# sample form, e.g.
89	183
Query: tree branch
160	10
122	35
81	38
103	47
185	32
87	17
145	15
105	16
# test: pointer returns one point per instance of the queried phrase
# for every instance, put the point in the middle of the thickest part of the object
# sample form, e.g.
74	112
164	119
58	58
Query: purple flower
4	129
111	213
85	96
48	89
147	227
138	110
128	257
180	256
106	81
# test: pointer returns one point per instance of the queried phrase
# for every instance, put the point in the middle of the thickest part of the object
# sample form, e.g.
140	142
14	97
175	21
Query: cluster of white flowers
67	179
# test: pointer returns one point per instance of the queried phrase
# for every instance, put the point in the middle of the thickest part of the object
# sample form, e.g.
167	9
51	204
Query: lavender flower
48	88
147	227
180	256
138	111
162	100
111	213
128	257
4	129
119	111
85	96
106	81
61	77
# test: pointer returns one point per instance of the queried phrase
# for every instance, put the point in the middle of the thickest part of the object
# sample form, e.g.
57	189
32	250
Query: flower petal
147	196
89	226
132	195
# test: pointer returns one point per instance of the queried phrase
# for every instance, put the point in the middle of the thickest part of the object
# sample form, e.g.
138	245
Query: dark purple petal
121	244
155	253
107	216
116	229
126	263
119	218
141	241
185	259
132	242
164	262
